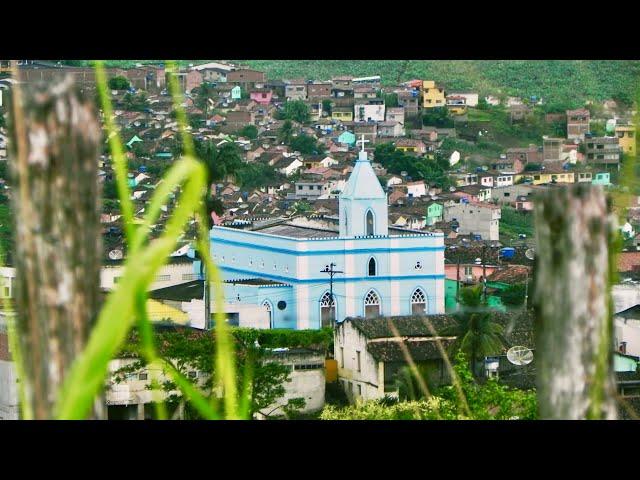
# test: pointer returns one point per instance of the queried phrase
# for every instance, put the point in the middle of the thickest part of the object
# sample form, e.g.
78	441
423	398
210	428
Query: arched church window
327	310
372	267
267	306
369	222
371	305
418	302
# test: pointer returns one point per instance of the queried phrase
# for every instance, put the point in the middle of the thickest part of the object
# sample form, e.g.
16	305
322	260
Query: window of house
371	305
192	374
468	270
358	360
116	279
143	376
188	276
163	278
341	357
359	390
372	267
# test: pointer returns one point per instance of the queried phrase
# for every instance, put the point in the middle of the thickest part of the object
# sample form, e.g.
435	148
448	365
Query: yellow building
343	114
432	95
627	138
542	177
457	109
163	311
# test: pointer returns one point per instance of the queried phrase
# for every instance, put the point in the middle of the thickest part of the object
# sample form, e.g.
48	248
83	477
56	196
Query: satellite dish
520	355
530	254
115	254
454	158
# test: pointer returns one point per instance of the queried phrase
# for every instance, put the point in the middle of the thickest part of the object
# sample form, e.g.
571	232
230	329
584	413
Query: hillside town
342	204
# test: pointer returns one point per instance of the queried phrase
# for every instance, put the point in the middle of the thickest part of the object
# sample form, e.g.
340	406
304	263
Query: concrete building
552	149
307	379
577	123
603	151
509	195
295	90
475	218
288	264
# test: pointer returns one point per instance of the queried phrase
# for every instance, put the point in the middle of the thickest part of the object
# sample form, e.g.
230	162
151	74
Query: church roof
296	231
363	182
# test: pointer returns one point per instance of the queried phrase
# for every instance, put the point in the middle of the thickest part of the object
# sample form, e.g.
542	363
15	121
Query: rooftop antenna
519	355
115	254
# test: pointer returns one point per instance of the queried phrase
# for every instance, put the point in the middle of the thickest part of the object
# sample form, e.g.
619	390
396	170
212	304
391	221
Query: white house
394	180
288	166
471	99
371	110
416	189
328	162
627	331
370	352
503	179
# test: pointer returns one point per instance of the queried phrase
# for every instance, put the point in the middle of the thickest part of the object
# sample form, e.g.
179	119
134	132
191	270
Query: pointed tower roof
363	182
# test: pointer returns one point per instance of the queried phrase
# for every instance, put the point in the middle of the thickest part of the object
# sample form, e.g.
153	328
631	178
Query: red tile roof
628	261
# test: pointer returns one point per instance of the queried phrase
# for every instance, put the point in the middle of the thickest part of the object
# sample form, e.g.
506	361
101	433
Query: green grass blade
86	377
117	152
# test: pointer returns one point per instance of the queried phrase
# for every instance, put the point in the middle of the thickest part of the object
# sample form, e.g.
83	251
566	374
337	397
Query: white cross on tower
362	141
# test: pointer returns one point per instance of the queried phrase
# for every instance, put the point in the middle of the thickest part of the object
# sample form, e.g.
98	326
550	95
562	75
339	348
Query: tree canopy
296	110
119	83
433	172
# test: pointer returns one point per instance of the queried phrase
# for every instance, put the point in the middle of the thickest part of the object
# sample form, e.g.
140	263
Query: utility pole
484	274
329	269
457	276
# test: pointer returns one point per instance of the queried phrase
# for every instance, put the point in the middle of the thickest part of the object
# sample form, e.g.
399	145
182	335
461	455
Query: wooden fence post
56	142
574	228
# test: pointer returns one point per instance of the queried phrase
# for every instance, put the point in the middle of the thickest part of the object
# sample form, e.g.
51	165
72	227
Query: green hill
556	81
568	83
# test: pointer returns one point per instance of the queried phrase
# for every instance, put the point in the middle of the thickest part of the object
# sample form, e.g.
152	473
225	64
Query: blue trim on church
270	276
325	252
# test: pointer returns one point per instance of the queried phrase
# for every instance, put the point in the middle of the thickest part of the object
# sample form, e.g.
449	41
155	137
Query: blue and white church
288	275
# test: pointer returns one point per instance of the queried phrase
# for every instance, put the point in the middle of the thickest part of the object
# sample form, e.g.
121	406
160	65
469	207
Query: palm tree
477	336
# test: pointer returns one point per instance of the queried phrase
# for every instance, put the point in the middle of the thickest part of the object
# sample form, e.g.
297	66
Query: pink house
261	96
470	273
524	203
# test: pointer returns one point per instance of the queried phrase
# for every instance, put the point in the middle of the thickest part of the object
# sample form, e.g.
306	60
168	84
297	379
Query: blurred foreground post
574	227
56	143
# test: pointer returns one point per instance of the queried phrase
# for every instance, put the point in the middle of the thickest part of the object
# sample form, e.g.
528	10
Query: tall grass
125	307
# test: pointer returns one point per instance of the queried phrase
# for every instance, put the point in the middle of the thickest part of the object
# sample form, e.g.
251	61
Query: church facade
293	276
